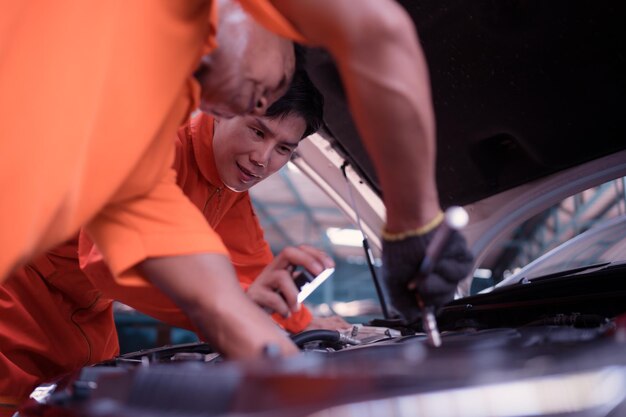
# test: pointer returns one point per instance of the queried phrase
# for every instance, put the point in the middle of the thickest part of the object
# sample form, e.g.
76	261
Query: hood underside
521	89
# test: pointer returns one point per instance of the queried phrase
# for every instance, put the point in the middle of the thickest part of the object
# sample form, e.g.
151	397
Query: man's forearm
389	94
205	288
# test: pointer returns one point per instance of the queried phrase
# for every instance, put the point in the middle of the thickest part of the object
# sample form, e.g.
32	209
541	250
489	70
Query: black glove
401	263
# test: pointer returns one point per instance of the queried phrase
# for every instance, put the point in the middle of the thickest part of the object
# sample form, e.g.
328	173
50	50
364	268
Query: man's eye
284	150
258	132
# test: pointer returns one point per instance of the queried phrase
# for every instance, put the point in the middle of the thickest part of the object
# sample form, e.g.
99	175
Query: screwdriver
455	218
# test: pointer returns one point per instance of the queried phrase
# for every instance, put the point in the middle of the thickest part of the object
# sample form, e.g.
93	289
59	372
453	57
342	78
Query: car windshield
601	245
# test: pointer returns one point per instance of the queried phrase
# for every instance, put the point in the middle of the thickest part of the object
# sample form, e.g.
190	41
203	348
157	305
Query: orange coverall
56	318
92	94
107	82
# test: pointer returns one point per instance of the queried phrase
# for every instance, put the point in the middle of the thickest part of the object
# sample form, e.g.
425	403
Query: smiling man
244	163
217	161
56	318
246	150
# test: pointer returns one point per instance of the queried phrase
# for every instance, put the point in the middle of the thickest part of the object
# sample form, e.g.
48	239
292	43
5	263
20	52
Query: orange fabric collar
202	141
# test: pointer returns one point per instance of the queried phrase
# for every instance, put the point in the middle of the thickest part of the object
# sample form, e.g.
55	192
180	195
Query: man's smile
247	175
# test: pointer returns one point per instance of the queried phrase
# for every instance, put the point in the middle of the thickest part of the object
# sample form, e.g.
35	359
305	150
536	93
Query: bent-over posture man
111	104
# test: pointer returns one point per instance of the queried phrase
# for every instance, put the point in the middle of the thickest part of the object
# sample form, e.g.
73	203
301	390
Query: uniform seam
80	329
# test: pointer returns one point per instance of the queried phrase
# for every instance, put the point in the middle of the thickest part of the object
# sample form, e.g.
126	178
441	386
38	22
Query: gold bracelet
420	231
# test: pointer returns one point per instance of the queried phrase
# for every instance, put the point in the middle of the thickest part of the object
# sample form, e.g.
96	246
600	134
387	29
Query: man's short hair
301	99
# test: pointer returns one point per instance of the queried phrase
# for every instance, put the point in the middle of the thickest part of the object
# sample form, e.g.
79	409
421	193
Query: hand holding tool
447	262
455	218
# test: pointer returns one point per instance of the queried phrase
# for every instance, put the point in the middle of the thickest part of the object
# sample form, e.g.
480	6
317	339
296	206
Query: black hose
315	335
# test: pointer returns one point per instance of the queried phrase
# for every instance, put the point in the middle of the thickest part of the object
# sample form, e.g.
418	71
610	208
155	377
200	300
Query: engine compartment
193	380
555	358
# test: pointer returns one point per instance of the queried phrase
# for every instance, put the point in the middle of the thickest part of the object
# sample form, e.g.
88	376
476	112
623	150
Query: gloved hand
401	263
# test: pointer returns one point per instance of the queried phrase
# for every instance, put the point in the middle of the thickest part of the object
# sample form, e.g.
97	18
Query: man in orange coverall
95	99
217	161
109	92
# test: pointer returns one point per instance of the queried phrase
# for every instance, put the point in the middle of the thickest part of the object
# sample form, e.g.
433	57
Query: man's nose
262	156
261	106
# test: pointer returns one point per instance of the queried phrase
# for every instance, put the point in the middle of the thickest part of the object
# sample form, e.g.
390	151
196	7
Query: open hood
521	89
525	92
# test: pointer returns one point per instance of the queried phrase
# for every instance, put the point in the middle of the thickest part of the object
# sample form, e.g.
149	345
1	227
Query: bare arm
205	288
386	78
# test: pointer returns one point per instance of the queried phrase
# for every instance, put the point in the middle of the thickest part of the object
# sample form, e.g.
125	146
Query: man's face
249	70
250	148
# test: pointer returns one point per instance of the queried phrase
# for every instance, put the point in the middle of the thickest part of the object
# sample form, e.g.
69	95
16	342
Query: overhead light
345	237
483	273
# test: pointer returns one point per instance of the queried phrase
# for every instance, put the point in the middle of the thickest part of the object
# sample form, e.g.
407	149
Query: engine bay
565	365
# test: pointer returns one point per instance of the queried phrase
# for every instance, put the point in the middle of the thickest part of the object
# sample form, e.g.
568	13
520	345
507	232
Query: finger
311	259
273	301
285	285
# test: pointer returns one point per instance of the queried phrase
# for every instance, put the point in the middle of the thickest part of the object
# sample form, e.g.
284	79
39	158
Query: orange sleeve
113	70
266	14
250	253
163	222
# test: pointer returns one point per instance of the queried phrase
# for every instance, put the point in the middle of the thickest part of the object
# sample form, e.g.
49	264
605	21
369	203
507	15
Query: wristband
420	231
